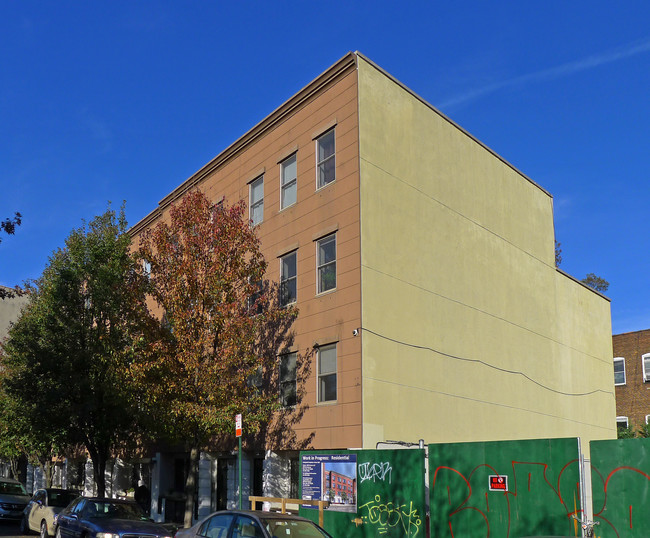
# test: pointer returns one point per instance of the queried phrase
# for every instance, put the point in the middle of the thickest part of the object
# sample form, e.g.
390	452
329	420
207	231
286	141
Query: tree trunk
99	471
190	486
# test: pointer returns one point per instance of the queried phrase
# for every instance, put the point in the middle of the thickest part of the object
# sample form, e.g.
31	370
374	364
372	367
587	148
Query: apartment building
422	264
632	378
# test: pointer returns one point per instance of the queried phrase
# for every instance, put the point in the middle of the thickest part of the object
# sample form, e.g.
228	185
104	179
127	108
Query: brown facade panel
326	317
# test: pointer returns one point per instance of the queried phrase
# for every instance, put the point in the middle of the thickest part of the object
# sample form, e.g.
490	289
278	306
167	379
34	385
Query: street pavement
9	528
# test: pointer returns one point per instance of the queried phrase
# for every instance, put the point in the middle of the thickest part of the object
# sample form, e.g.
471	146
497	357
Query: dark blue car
90	517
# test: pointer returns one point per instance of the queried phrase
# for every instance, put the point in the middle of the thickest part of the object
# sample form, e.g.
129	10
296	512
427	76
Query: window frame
320	389
293	278
320	266
621	420
293	382
332	156
619	360
292	183
253	204
646	373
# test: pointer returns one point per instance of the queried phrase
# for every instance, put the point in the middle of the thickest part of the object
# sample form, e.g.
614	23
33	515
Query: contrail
562	70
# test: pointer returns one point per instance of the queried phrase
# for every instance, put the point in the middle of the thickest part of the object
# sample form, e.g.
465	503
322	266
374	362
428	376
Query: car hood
17	499
135	526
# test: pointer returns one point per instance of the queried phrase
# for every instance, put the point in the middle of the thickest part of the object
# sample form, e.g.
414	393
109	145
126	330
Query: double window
288	379
327	373
256	198
326	263
619	371
288	182
288	279
325	159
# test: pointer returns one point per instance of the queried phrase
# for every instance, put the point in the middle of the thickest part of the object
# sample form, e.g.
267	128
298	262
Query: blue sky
123	100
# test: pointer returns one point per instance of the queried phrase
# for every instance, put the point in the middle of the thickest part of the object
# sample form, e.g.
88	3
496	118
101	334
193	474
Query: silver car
13	499
253	524
43	506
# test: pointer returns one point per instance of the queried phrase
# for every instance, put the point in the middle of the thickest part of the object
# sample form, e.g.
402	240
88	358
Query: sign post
238	434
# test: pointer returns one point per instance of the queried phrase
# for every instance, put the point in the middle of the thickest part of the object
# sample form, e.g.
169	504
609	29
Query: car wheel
23	528
44	533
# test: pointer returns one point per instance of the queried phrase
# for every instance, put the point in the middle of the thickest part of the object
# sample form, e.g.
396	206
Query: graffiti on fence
392	515
493	512
375	471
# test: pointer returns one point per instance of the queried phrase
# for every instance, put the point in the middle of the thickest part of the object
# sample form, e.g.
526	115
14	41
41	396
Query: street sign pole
238	433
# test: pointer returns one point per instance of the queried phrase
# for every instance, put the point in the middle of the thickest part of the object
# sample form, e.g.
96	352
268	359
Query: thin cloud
563	70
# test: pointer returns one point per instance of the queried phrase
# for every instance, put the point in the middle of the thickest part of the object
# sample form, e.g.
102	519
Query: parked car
13	499
43	507
253	524
92	517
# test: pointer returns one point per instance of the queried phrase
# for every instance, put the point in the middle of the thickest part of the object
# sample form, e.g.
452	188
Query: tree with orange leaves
207	275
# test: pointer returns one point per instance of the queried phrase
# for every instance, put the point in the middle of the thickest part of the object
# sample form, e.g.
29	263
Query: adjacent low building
632	379
423	266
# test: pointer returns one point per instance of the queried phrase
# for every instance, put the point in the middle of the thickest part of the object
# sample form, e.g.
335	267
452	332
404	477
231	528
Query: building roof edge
326	77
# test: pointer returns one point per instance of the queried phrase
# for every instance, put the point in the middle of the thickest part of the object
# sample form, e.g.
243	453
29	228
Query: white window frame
286	382
647	419
621	420
323	265
290	184
254	204
284	279
619	360
319	184
646	372
322	375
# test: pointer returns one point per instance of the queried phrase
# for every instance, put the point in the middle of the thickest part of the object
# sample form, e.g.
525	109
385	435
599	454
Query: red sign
498	482
238	425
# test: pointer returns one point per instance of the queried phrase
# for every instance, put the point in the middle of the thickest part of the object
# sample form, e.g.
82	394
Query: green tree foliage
596	282
207	276
626	433
67	357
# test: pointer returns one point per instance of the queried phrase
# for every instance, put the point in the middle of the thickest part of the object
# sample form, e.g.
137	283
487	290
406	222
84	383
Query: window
647	418
621	423
217	526
327	373
325	159
288	279
288	379
288	181
146	268
326	262
256	197
646	367
619	371
245	527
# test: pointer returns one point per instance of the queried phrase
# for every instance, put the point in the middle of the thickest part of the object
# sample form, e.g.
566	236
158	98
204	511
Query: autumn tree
207	276
69	352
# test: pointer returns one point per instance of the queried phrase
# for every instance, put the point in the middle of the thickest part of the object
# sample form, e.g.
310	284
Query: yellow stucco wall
459	285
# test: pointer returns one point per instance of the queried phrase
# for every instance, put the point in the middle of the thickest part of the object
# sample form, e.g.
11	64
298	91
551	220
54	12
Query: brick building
632	378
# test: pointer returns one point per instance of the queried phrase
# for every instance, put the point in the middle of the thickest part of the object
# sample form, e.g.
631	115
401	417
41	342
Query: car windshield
113	510
61	499
291	528
12	488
